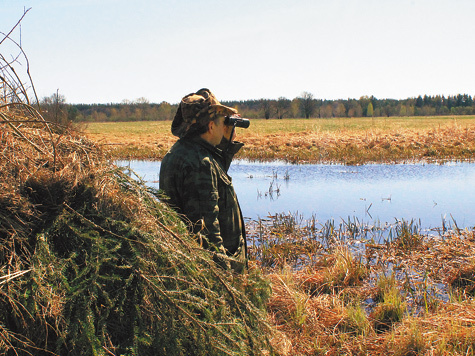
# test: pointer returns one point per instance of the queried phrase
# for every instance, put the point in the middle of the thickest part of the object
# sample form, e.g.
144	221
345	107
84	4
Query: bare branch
13	29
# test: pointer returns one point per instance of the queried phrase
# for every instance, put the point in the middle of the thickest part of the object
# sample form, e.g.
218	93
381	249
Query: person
194	178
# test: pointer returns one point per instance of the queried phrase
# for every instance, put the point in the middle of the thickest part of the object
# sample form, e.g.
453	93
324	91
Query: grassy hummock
91	263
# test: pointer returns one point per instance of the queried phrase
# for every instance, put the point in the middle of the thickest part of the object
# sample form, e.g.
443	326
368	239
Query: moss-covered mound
92	263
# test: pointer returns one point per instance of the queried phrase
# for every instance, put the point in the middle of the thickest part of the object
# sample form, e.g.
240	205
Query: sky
109	51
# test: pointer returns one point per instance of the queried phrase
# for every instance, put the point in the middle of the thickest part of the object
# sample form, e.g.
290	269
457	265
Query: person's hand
228	130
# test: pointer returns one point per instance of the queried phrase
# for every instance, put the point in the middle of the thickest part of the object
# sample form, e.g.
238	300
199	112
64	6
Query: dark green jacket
193	175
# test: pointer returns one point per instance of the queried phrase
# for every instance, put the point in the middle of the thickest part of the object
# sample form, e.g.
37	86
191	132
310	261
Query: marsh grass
408	294
337	140
462	281
345	270
448	331
407	234
390	306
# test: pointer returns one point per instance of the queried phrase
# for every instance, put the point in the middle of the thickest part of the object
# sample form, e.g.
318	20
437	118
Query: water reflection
372	193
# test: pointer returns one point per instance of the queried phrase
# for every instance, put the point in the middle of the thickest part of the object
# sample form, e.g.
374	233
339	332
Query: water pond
432	194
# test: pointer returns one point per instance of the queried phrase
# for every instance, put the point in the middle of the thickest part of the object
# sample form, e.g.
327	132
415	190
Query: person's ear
211	125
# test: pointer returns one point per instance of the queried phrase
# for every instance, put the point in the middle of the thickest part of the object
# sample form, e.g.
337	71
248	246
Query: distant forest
55	108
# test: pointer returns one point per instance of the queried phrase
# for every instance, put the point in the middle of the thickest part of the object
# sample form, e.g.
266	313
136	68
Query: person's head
216	130
202	114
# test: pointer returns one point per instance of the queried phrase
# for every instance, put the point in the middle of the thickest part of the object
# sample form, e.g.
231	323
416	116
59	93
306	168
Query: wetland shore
338	140
78	234
334	289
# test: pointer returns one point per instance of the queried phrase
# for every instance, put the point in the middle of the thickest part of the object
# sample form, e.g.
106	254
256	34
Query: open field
342	140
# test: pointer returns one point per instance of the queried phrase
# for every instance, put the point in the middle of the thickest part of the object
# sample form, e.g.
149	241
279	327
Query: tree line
56	109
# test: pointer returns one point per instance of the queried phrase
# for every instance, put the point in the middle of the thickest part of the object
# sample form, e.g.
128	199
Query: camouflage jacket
193	175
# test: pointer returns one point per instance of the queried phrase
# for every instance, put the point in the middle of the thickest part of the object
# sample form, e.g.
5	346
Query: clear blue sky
110	50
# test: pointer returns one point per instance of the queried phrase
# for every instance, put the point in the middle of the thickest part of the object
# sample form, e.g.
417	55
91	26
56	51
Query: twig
108	351
174	235
14	275
8	34
100	227
4	118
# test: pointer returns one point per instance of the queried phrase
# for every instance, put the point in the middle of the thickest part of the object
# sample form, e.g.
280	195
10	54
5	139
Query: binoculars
236	121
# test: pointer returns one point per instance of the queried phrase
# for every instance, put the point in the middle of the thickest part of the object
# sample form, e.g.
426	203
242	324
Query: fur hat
196	110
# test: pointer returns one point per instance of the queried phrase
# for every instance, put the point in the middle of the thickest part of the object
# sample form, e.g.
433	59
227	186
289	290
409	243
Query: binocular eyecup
236	121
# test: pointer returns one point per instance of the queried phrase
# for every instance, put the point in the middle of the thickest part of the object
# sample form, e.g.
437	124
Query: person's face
217	130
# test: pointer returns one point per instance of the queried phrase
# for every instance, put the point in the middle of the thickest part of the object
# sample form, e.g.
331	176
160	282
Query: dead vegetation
336	293
451	142
449	139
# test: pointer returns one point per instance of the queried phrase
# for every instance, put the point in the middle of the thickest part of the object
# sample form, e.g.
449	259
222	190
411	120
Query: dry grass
139	140
357	147
350	298
350	141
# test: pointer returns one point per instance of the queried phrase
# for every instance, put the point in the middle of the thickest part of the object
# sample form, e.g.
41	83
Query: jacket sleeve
200	198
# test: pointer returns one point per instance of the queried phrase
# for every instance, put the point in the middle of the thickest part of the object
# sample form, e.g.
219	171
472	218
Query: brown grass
410	139
381	299
452	142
